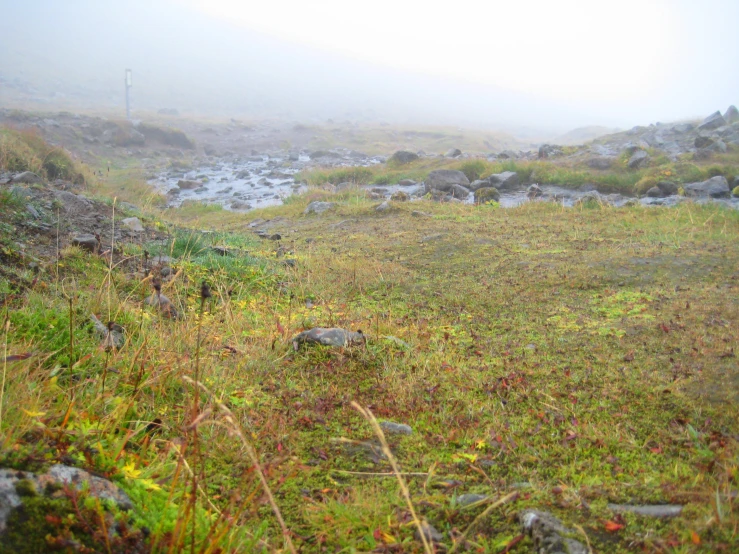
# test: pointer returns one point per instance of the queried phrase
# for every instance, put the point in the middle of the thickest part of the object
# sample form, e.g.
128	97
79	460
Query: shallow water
261	181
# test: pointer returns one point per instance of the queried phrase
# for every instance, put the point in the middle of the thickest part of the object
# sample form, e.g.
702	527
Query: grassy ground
564	172
576	357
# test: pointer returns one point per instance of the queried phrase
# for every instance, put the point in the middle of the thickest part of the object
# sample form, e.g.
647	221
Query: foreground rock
487	194
328	337
504	181
550	536
17	486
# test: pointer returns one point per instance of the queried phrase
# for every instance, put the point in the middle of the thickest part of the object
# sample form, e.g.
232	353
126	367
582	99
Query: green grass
577	356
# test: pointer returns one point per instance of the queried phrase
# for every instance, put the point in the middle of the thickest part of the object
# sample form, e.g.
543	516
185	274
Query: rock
328	337
384	207
188	185
702	141
407	183
434	237
133	223
600	162
429	531
508	155
163	304
504	181
453	153
549	535
591	198
16	486
549	151
718	146
392	428
467	499
239	205
480	183
30	208
317	207
638	159
27	177
655	192
400	196
534	191
713	121
166	136
445	179
735	192
86	242
668	188
74	204
731	115
683	128
416	213
715	187
487	194
111	338
655	510
458	191
402	157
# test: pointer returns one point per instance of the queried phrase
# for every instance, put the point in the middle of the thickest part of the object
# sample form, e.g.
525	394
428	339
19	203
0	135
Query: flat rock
328	337
133	224
444	179
384	207
73	203
86	242
715	187
504	181
392	428
713	121
467	499
27	177
648	510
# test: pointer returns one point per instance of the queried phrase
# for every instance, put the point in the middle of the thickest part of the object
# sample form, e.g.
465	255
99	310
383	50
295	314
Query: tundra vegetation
555	358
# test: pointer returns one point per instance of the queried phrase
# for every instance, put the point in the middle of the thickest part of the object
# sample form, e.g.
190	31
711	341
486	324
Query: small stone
429	531
384	207
654	510
133	223
188	185
392	428
328	337
400	196
27	177
86	242
406	183
486	194
548	533
416	213
639	159
467	499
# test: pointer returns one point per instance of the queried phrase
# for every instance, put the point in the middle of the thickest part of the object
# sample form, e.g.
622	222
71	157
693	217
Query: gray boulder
504	181
317	207
668	188
458	191
487	194
74	204
534	191
713	121
549	151
27	177
480	183
731	115
406	182
453	153
655	192
715	187
392	428
18	486
384	207
328	337
702	141
683	127
638	159
402	157
445	179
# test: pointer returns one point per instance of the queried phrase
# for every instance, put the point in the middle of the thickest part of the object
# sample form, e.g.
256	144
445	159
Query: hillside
523	364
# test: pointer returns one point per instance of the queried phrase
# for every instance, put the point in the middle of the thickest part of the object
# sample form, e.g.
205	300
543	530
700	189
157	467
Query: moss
735	192
25	488
30	524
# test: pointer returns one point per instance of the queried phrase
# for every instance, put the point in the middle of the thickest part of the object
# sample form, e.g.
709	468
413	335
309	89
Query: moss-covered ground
574	356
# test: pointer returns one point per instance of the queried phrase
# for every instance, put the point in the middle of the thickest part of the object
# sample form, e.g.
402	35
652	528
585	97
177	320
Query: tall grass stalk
369	416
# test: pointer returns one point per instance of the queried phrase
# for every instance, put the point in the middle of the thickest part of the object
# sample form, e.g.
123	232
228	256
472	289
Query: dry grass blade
369	416
236	429
478	519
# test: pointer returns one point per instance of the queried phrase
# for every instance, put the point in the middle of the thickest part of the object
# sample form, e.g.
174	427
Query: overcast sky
541	63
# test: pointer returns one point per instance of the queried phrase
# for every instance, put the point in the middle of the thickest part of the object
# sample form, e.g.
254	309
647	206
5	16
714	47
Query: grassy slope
577	355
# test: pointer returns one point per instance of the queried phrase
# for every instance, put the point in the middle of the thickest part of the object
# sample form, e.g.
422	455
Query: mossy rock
486	194
735	192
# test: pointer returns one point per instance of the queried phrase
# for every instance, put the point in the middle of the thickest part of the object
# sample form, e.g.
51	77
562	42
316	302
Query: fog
534	65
